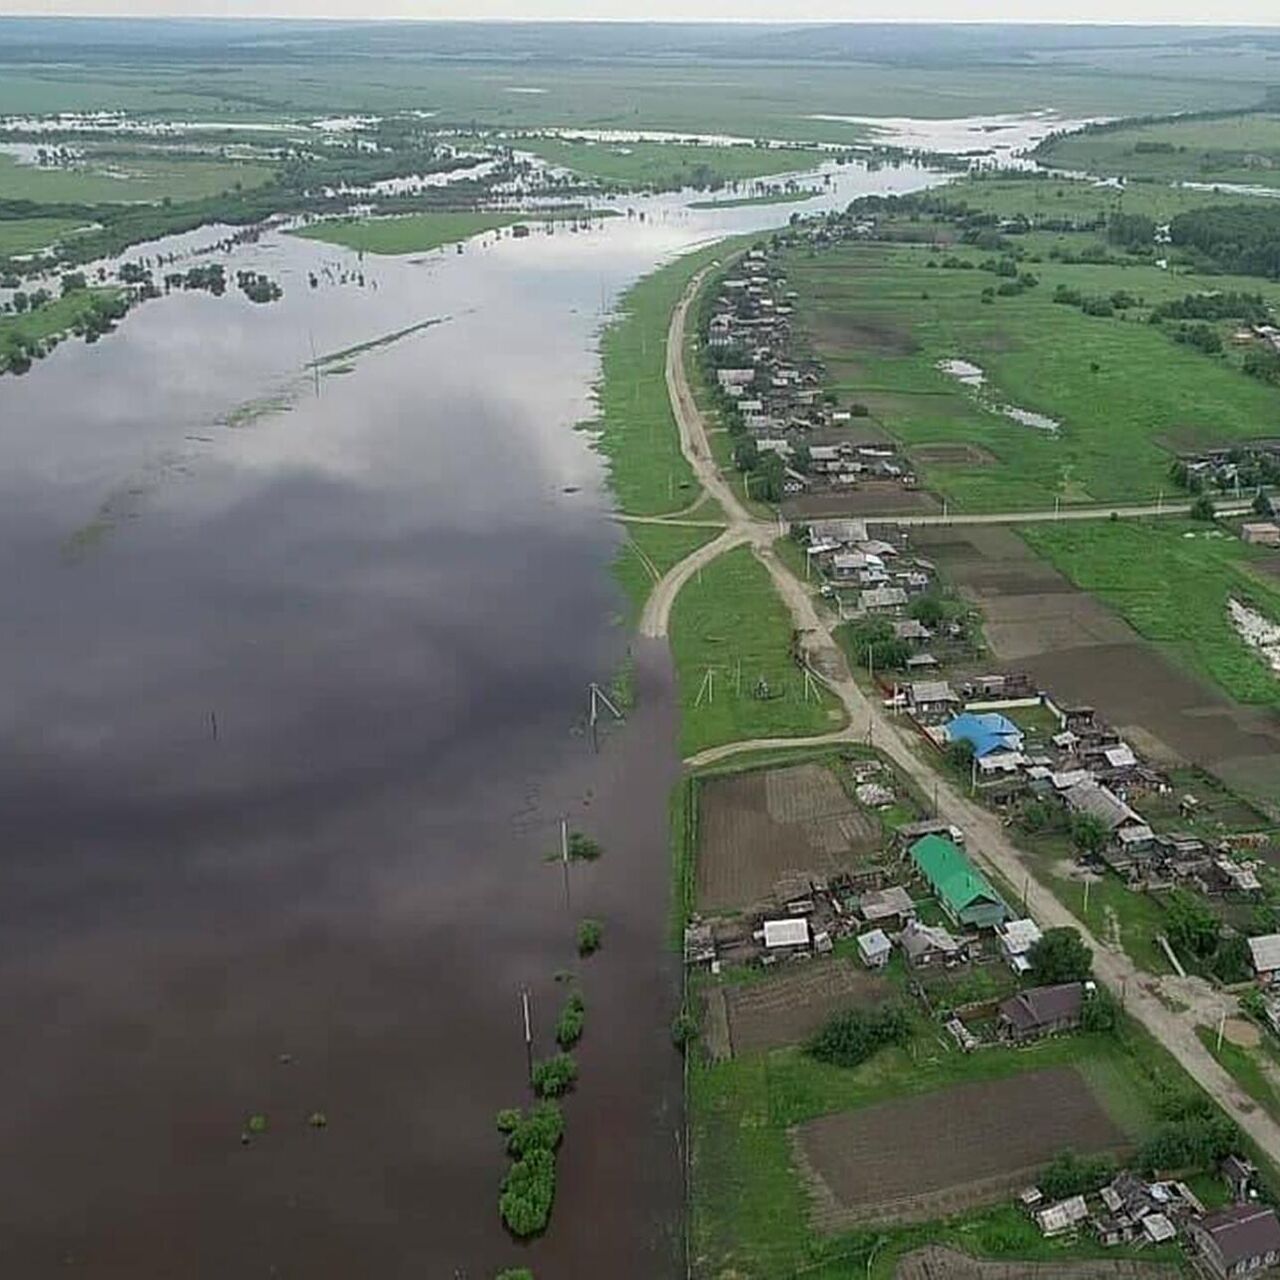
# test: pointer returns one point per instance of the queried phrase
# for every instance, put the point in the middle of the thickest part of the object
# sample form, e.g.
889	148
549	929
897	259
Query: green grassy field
1173	589
650	550
749	1210
764	98
1240	149
668	166
27	235
127	179
1038	199
1124	393
730	621
410	233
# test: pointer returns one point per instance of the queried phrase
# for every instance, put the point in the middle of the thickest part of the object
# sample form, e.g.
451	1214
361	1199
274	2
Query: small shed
1062	1217
1265	952
785	934
1017	937
893	904
875	948
1261	533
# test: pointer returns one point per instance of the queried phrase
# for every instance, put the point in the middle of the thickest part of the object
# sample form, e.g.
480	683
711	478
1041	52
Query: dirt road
988	839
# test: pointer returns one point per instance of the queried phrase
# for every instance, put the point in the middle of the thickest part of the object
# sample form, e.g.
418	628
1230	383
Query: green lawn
668	165
1124	393
128	178
748	1206
729	621
409	233
1171	581
27	235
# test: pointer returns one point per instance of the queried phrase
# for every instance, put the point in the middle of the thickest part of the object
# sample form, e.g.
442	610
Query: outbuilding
1265	953
875	948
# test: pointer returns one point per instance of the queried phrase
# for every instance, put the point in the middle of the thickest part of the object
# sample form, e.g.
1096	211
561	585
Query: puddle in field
1257	631
972	376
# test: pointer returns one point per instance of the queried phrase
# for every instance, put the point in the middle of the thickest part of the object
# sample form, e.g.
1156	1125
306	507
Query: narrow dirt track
868	721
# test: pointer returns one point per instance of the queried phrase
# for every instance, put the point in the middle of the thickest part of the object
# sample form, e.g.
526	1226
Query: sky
1244	12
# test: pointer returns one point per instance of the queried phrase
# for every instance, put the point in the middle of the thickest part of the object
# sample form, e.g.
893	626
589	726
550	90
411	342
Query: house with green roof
966	895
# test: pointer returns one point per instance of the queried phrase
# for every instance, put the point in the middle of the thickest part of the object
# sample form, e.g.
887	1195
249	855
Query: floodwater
293	709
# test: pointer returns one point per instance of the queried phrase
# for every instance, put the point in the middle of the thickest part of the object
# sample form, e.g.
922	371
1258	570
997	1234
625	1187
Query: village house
1042	1011
931	697
987	733
1238	1241
924	945
883	599
965	894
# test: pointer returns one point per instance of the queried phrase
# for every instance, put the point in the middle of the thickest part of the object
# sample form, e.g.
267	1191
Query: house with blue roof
988	732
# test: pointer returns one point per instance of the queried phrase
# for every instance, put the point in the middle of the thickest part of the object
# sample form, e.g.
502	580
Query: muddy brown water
292	713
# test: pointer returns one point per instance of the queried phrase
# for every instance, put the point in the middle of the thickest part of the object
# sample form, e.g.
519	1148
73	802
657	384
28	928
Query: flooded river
293	709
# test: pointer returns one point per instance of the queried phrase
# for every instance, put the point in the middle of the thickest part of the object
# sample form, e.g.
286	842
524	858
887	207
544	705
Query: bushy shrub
846	1039
554	1076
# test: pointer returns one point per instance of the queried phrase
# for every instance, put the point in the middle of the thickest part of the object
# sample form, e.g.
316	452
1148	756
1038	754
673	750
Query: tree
846	1039
929	611
1073	1175
1089	833
1262	505
1203	509
572	1019
554	1076
1060	955
1191	926
590	934
960	753
1100	1012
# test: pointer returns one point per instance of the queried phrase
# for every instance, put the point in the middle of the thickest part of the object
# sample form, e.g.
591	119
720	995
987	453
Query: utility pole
528	1030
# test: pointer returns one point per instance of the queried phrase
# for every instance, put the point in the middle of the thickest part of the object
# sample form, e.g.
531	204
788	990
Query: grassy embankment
668	166
128	177
412	232
1238	149
637	433
1173	589
1125	394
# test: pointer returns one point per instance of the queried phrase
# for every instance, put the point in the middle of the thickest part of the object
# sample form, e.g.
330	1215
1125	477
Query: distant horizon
1249	15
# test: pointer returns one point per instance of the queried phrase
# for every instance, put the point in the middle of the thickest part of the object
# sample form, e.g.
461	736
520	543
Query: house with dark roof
966	895
1238	1241
1041	1011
